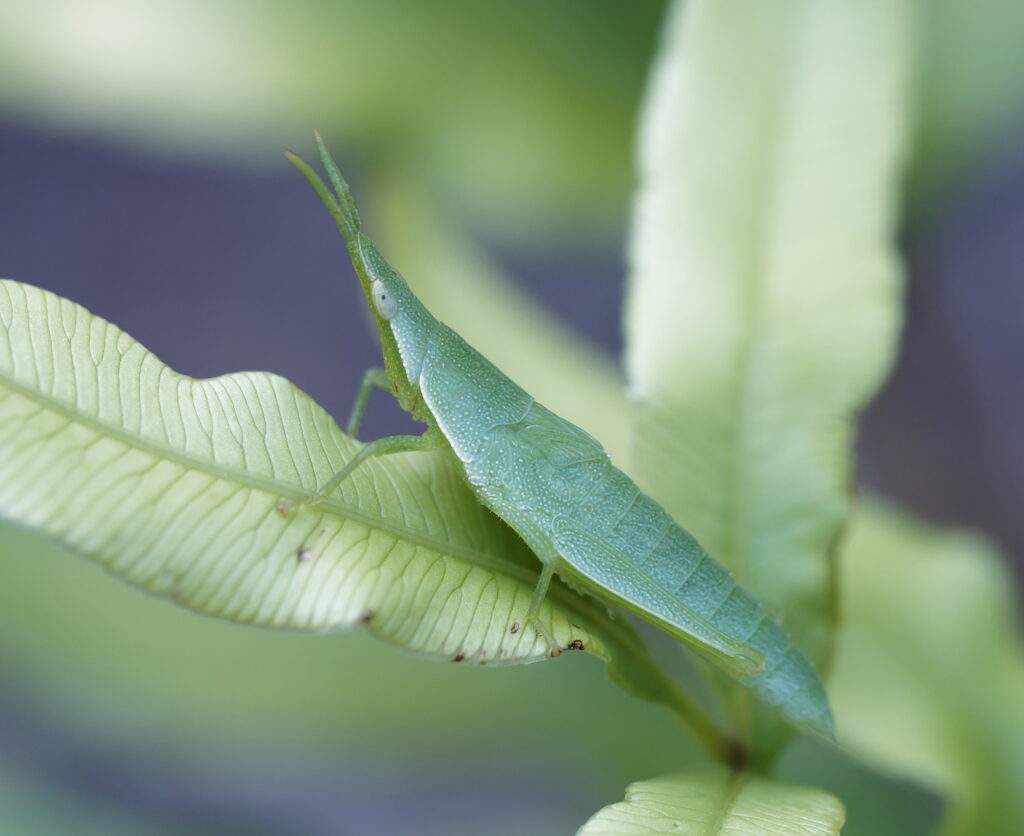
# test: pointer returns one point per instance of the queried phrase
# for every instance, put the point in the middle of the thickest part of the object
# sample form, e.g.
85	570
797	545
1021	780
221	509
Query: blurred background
141	175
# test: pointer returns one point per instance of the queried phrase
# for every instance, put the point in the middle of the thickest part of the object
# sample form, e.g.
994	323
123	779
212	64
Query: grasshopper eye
385	304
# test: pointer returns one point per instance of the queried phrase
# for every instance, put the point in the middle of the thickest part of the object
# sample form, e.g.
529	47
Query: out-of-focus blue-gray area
355	790
218	268
944	435
187	258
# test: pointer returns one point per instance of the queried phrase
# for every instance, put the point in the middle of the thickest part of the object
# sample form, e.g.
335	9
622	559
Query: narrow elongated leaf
172	484
718	802
763	299
929	676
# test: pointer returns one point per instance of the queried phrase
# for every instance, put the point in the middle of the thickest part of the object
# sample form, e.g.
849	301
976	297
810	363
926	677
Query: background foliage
122	712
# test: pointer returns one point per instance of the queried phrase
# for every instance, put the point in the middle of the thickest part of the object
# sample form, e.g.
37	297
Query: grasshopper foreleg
375	376
380	447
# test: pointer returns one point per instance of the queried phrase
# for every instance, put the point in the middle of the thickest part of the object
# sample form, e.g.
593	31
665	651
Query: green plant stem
694	719
634	669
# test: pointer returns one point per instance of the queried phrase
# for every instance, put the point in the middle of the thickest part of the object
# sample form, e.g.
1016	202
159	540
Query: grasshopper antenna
340	204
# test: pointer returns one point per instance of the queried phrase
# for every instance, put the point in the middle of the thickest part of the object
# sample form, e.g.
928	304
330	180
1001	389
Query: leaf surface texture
718	803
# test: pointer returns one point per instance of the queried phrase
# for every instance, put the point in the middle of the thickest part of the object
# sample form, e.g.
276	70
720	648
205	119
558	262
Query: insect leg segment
375	376
539	593
381	447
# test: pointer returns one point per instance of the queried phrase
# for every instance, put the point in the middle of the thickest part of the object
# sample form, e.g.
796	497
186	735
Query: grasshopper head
382	286
405	325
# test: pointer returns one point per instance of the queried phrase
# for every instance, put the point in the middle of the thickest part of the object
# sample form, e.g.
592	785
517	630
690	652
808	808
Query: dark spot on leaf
514	628
367	617
459	657
575	644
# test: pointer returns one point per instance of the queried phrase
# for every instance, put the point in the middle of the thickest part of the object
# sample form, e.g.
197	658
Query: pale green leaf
763	302
172	484
929	675
718	802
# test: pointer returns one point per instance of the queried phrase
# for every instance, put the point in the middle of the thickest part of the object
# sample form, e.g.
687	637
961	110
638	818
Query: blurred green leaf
420	83
763	304
719	802
877	804
970	90
172	484
491	99
929	676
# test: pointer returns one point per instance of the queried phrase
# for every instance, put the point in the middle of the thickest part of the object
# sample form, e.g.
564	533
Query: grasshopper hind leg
533	613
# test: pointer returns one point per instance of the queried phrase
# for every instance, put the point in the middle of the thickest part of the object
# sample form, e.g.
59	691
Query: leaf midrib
754	278
265	484
730	794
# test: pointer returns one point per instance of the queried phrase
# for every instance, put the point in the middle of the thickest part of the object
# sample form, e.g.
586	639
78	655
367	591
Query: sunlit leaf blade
718	802
929	675
763	299
172	484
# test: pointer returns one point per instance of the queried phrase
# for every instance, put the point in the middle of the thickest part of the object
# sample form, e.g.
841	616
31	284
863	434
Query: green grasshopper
555	485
